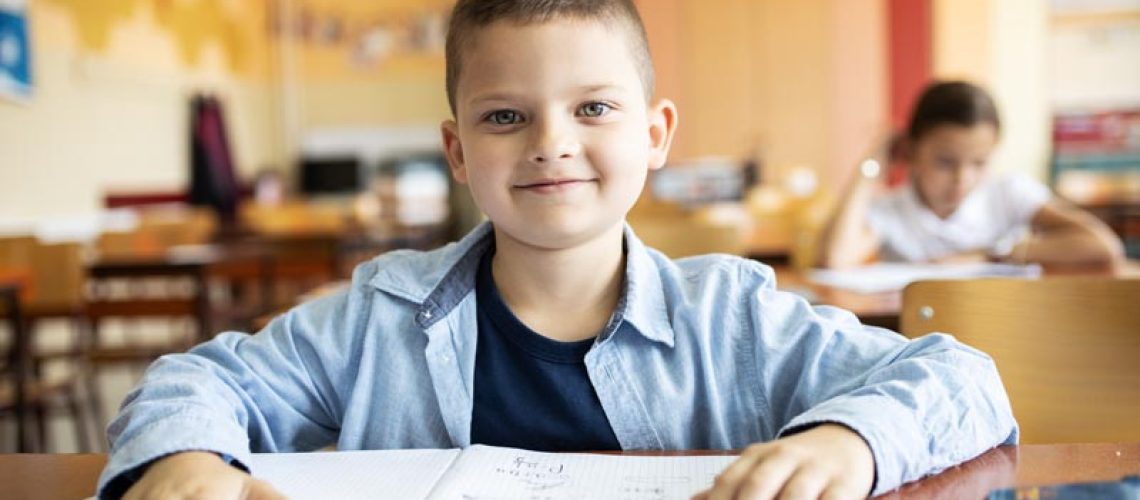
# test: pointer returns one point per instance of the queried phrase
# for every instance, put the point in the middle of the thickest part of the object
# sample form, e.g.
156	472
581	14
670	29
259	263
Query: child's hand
198	475
829	461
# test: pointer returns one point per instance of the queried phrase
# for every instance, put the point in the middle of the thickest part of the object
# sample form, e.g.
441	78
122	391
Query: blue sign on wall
15	51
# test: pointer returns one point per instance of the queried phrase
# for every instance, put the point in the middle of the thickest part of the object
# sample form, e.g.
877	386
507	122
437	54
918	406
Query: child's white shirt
992	218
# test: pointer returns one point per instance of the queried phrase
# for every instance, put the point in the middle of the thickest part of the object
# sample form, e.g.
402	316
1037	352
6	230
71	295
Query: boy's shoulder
712	273
415	274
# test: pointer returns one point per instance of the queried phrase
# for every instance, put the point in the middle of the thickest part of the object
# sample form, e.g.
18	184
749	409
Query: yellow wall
1003	45
404	88
110	108
962	32
804	81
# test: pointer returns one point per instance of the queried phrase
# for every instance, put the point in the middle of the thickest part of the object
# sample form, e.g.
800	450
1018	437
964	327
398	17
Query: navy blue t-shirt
531	392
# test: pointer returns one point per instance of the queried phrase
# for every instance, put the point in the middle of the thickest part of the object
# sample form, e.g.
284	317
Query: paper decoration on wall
15	51
366	40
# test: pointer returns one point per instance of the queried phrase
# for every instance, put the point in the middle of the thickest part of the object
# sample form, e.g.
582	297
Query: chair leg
41	428
79	416
90	343
23	431
95	400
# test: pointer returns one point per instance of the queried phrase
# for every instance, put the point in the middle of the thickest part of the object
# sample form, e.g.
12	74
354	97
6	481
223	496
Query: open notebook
485	473
892	277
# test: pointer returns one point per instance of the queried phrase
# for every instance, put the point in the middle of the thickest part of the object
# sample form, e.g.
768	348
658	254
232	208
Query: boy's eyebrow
507	96
493	96
600	87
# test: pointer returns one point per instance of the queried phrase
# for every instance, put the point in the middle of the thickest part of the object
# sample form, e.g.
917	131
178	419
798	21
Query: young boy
552	327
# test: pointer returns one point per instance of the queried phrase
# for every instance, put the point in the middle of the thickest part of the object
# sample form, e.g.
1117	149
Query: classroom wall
110	108
801	82
1092	60
380	63
805	82
1003	45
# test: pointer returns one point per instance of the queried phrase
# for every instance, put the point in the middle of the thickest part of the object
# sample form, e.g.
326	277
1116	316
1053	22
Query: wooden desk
19	359
197	264
883	309
878	309
34	476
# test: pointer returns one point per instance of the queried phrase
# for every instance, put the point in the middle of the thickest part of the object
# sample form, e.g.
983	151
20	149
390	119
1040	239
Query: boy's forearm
204	400
148	439
934	404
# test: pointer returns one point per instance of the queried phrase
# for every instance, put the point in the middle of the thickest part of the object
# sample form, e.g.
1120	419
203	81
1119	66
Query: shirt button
426	314
445	358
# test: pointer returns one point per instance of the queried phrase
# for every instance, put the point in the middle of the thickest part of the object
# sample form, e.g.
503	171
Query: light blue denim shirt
701	353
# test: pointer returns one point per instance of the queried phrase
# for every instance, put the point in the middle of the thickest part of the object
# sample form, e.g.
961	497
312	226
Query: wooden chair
678	232
1067	348
39	380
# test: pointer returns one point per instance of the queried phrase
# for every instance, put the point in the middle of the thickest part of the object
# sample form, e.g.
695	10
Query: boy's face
949	161
552	131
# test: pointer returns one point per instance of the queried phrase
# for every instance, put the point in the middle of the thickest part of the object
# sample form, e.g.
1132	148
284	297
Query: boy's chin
560	236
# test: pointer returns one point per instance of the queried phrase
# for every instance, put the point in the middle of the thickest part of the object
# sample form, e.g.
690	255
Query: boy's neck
566	294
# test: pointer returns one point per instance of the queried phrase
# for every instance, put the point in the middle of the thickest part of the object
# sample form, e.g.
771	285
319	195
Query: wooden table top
883	309
18	279
73	476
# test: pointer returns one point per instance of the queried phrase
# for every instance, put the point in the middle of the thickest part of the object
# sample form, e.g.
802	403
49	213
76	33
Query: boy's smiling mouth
552	185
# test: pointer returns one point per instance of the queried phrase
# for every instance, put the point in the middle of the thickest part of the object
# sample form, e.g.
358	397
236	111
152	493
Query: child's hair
469	16
952	103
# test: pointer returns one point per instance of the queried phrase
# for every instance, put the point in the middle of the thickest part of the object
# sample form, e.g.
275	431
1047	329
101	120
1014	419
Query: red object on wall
910	54
910	59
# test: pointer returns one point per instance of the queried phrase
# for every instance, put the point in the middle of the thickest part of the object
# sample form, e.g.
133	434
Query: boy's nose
553	142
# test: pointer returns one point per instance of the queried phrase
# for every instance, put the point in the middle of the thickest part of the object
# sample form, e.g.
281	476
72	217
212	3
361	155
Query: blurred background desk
876	309
35	477
883	308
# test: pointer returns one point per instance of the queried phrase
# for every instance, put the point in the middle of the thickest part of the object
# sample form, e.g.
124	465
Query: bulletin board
15	51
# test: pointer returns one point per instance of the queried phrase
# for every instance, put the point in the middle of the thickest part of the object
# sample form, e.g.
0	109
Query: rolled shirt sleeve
922	405
269	392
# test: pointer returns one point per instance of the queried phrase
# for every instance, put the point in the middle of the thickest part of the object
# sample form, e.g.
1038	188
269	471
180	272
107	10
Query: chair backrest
1068	348
159	229
678	233
56	272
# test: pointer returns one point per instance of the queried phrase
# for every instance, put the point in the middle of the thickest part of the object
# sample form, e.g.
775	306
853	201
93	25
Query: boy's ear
453	149
662	125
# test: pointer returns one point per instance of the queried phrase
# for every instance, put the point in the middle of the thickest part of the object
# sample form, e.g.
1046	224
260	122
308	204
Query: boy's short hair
469	16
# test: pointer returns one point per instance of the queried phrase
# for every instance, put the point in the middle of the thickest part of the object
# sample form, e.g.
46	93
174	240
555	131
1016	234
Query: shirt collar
444	277
643	300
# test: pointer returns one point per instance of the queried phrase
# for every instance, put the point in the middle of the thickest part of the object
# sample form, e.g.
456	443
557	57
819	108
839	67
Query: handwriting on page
505	474
535	475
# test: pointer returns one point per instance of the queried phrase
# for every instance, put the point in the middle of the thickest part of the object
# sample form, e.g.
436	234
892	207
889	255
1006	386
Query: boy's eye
504	117
594	109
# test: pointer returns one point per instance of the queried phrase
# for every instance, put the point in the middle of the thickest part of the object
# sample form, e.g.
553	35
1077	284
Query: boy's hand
829	461
192	475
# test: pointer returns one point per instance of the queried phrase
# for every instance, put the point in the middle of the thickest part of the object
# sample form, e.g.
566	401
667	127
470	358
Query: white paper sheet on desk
492	473
404	474
891	277
485	473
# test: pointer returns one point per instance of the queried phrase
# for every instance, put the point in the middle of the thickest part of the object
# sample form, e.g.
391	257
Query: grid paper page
493	473
348	475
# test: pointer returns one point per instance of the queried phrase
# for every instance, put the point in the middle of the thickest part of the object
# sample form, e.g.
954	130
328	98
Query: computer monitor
331	175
